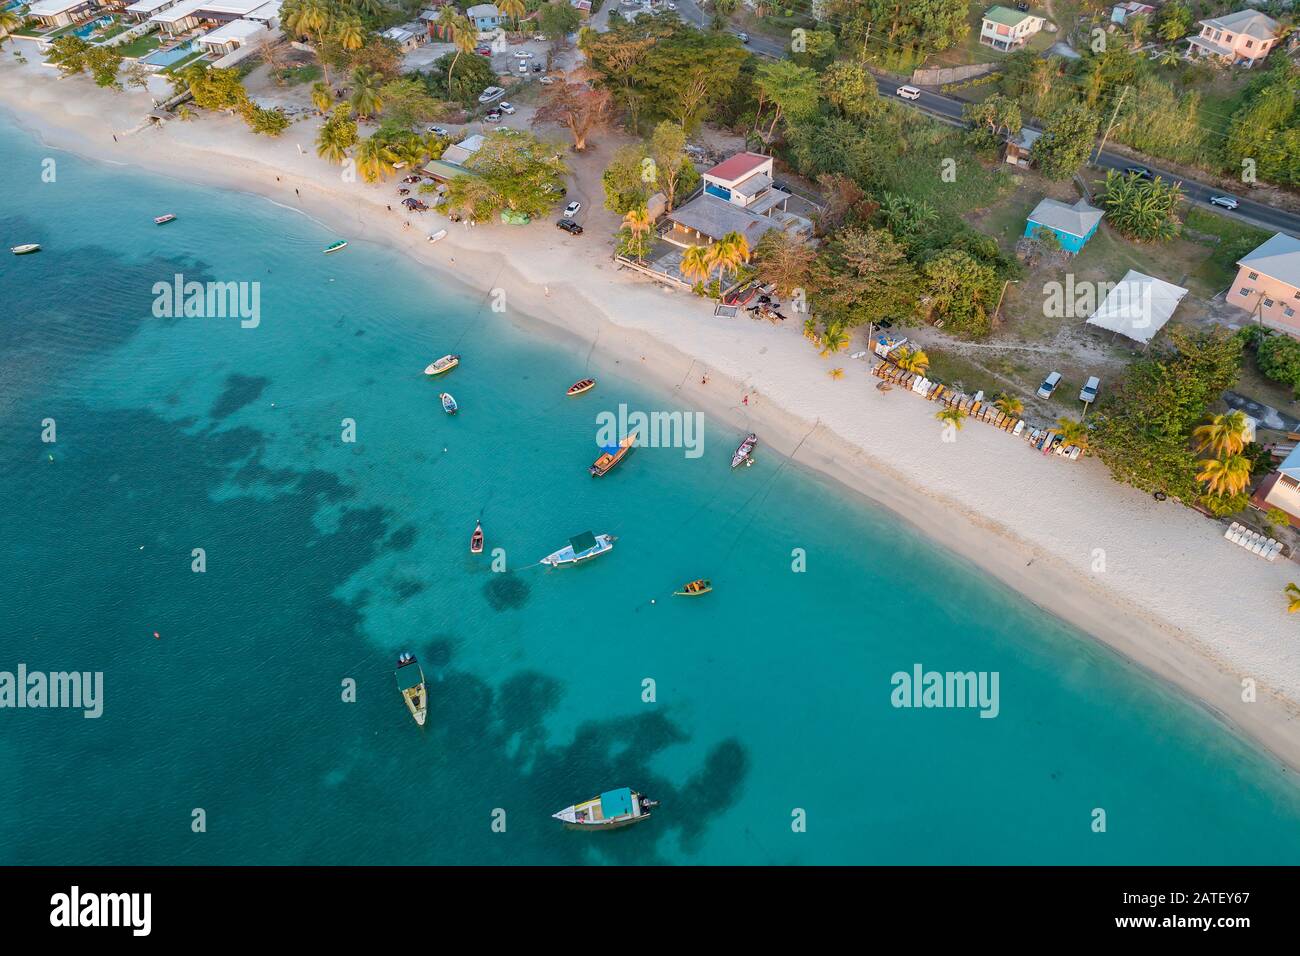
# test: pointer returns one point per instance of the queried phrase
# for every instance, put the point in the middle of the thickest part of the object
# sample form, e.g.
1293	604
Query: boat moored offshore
444	364
448	403
410	681
609	811
611	455
582	547
164	219
25	248
335	246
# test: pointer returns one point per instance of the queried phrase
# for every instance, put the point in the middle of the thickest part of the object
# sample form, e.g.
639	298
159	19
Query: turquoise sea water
325	559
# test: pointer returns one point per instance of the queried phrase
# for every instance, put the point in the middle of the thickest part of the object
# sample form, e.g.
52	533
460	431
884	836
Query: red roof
738	166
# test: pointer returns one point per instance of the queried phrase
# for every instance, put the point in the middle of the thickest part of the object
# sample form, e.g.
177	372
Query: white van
1089	391
1049	385
909	92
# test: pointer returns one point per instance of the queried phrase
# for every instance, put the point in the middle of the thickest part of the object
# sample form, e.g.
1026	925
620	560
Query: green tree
1144	210
366	99
514	171
785	261
992	121
849	88
674	173
68	54
1174	21
375	159
863	276
103	62
628	179
1066	141
786	88
337	135
266	122
962	290
558	19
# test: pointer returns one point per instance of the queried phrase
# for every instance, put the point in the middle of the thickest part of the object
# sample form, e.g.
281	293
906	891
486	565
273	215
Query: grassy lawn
140	46
1234	238
307	73
918	172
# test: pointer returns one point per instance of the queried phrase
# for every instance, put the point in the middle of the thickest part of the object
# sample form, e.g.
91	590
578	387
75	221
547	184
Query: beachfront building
61	13
737	195
452	163
1006	29
1122	11
204	15
485	17
142	10
1073	225
231	36
1268	284
1281	489
1241	39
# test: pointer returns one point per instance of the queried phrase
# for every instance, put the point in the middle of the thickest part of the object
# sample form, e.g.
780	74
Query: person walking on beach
745	400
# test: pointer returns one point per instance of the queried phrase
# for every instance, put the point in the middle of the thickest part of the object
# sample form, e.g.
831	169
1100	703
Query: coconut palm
730	252
1225	477
834	339
1223	435
514	9
1009	405
375	159
457	28
1292	592
914	361
312	19
697	264
1169	56
350	34
637	221
330	145
10	21
320	97
1073	432
951	416
365	92
836	373
812	332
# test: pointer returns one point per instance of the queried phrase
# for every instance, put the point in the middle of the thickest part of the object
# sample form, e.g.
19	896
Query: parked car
744	37
490	94
1049	385
1227	202
483	50
569	226
1141	172
506	108
908	92
502	129
438	131
537	68
1089	391
523	68
571	209
523	54
546	80
493	116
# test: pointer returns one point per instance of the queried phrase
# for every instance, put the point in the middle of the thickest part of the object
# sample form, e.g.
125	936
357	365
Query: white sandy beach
1175	597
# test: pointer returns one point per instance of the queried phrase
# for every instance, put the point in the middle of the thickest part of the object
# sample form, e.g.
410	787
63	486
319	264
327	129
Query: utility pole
1115	113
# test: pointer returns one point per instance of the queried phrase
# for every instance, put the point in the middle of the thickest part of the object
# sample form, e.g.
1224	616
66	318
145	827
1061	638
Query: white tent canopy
1138	306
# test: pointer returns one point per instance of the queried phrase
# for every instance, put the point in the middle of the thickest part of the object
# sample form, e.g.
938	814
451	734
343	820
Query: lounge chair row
1050	443
1253	541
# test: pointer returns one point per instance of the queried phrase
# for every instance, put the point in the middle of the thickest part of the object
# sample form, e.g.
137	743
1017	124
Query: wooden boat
163	219
611	455
336	246
582	547
410	681
609	811
695	588
577	388
476	539
440	234
745	451
444	364
448	403
25	248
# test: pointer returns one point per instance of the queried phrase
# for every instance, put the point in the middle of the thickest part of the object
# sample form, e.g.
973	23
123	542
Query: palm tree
365	92
459	30
729	253
330	143
312	18
1226	476
350	34
320	97
9	22
914	361
835	339
637	221
811	332
375	159
1224	435
514	9
1169	56
1009	405
1292	592
697	263
951	416
836	373
1073	432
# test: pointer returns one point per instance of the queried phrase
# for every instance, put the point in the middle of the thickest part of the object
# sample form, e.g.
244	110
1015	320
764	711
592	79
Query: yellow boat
612	455
695	588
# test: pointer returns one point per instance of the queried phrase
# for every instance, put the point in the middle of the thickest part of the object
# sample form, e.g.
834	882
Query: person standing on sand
745	400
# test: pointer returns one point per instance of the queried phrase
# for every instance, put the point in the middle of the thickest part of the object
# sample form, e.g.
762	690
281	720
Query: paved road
1256	213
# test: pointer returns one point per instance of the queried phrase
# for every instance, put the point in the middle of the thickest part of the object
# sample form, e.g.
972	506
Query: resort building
1073	225
1007	29
61	13
1281	489
737	195
1122	11
1242	38
229	37
192	15
1268	284
143	10
485	17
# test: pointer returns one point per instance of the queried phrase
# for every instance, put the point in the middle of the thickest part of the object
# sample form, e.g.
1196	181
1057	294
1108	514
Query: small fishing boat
335	246
695	588
444	364
609	811
25	248
745	452
476	539
577	388
410	681
611	455
440	234
448	403
582	547
166	218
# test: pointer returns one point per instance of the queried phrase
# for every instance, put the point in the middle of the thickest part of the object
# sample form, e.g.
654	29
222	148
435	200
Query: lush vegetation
511	171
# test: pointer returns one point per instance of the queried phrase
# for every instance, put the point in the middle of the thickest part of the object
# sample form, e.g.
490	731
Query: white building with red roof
737	195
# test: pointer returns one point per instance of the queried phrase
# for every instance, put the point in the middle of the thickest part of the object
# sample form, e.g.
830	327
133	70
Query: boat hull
26	249
578	388
607	824
443	365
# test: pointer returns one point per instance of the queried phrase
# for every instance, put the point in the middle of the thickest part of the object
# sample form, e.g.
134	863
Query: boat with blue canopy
609	811
581	547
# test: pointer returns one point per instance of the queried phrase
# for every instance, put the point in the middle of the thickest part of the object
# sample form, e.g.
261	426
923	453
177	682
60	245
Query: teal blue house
1073	225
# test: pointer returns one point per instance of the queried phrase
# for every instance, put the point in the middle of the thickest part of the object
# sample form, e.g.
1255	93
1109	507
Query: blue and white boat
611	810
448	403
582	547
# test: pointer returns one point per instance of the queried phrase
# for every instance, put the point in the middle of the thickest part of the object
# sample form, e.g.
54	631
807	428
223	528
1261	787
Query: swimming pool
170	56
87	29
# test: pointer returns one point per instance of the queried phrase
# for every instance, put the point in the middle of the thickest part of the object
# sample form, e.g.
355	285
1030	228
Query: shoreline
1173	606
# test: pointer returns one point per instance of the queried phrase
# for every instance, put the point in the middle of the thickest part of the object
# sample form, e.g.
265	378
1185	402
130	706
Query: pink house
1242	38
1268	284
